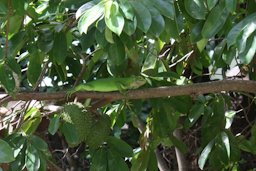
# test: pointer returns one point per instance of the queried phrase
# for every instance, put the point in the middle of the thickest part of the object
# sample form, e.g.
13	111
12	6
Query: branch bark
146	93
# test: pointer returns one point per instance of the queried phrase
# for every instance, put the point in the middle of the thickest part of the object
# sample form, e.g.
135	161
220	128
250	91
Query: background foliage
53	45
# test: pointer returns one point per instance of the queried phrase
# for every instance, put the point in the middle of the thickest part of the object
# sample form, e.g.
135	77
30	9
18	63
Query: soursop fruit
99	131
82	120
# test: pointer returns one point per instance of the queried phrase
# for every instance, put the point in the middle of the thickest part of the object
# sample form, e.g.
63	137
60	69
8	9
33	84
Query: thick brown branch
192	89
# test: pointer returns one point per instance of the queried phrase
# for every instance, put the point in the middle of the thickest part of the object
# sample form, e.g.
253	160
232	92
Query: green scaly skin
110	84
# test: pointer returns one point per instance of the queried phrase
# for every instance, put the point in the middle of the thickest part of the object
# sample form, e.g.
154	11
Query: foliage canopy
53	45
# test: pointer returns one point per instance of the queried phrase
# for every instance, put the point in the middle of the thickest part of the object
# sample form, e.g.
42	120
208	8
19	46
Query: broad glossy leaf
30	126
120	146
215	21
99	160
211	3
152	164
38	143
127	9
196	8
130	26
158	23
247	56
109	36
238	28
54	125
32	159
196	111
70	134
6	152
140	161
225	141
59	49
16	43
6	78
195	34
165	7
248	30
117	60
171	29
34	69
15	23
143	16
90	16
115	162
113	18
229	118
14	66
231	5
81	10
205	154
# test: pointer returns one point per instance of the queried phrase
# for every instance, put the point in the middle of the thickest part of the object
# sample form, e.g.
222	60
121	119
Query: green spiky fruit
75	114
99	132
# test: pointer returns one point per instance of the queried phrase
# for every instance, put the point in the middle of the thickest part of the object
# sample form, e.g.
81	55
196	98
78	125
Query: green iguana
110	84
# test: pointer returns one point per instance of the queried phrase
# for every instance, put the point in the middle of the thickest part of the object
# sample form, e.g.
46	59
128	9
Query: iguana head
138	82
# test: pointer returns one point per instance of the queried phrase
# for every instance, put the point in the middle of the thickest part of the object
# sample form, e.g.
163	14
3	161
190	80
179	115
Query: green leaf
171	30
231	5
81	10
109	35
99	160
230	114
127	9
211	4
158	23
34	69
38	143
238	28
140	161
54	125
117	61
6	152
14	66
215	21
225	141
6	78
196	8
113	18
16	43
165	7
205	154
120	146
247	56
70	134
59	49
248	30
196	111
30	126
15	23
90	16
195	35
143	16
115	162
32	159
130	26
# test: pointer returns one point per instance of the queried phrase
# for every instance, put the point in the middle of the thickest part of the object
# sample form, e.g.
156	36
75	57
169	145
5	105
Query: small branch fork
146	93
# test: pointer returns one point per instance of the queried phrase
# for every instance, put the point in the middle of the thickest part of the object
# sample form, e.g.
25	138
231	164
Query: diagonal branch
191	89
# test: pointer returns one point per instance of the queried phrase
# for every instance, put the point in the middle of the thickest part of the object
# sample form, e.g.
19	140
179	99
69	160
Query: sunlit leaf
205	154
113	18
90	16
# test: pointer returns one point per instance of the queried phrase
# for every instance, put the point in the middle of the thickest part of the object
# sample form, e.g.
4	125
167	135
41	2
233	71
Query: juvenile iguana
110	84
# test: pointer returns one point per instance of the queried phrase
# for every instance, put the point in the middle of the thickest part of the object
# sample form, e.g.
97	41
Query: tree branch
191	89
